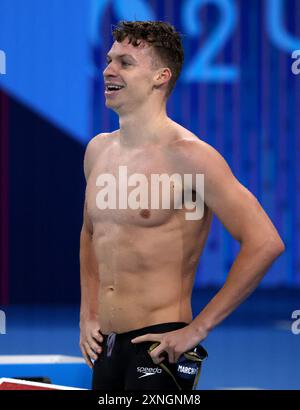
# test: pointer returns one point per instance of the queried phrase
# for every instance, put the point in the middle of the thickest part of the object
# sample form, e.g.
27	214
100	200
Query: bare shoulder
196	153
95	147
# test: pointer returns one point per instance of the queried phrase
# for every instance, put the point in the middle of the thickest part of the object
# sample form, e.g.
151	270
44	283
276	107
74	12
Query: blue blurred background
237	92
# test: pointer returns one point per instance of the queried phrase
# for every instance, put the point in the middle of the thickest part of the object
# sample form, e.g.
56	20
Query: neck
143	125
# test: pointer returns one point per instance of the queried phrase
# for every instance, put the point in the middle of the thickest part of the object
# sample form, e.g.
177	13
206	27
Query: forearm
245	274
89	277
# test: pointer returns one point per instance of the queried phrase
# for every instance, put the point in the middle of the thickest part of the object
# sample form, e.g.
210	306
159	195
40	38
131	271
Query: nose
109	71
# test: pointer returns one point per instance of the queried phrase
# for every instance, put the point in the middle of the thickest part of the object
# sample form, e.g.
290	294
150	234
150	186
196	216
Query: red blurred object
13	384
18	386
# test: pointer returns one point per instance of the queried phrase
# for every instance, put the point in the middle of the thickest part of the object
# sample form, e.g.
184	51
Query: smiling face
133	69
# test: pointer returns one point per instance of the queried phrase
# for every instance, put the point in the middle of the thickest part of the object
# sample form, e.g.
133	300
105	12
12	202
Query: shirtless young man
138	265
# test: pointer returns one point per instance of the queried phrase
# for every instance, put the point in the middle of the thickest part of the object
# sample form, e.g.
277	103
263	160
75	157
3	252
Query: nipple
145	213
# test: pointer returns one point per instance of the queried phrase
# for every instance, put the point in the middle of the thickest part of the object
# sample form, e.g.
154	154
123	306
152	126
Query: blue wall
237	92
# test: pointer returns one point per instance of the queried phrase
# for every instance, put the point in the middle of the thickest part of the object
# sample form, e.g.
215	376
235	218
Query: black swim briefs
123	365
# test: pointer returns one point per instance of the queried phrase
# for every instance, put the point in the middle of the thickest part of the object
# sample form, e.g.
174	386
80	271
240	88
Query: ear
162	77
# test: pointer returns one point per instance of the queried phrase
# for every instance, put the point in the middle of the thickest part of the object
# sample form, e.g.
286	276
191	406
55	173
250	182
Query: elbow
282	247
276	247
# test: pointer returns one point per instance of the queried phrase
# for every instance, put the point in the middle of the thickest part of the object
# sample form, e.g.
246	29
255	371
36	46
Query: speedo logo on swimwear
166	192
148	371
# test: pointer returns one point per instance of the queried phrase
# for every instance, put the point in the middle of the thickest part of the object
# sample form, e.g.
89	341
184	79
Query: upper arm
234	205
91	153
87	225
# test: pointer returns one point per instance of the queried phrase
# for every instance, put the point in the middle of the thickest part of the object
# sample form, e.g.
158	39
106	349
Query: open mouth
111	89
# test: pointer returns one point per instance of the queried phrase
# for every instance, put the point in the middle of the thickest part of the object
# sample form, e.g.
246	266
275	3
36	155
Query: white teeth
111	87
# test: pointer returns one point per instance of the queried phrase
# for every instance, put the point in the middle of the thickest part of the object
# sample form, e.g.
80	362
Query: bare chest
137	188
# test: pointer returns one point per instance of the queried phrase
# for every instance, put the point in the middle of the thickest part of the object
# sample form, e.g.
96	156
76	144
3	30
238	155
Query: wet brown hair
164	39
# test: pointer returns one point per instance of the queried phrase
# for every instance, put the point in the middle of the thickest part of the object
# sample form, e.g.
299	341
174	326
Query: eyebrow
121	55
